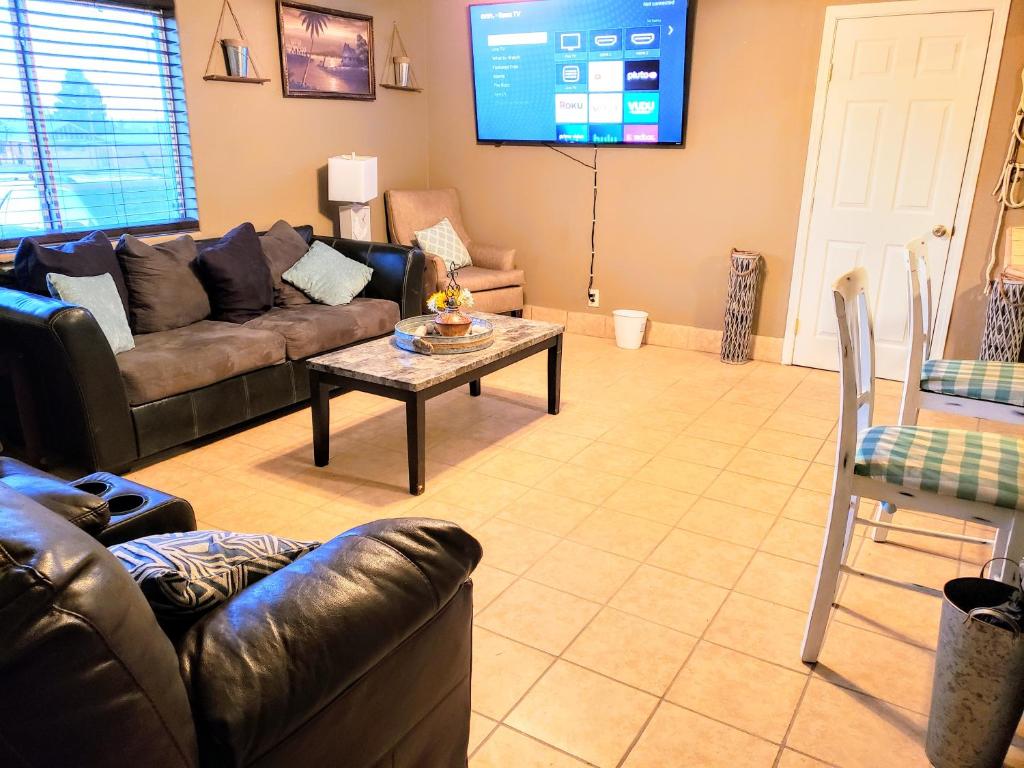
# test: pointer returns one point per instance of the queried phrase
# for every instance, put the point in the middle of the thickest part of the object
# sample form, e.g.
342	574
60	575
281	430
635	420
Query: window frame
39	136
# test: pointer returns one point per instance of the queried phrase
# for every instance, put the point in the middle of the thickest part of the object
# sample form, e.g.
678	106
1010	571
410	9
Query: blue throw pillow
327	276
99	295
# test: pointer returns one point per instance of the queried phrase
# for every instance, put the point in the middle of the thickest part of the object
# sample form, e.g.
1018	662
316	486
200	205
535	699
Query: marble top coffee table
380	367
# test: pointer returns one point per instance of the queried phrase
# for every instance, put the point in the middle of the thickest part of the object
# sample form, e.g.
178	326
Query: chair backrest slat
919	302
856	359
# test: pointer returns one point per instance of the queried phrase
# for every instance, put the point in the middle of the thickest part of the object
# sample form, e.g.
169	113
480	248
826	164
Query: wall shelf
226	78
229	79
397	46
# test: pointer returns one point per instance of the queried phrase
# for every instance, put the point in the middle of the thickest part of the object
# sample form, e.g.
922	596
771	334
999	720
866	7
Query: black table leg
555	376
416	435
320	406
474	388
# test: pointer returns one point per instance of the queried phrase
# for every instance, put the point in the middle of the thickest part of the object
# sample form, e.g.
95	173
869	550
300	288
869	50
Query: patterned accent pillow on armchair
443	241
191	573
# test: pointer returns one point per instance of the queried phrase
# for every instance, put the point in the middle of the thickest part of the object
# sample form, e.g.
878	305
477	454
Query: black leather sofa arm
78	398
267	662
397	271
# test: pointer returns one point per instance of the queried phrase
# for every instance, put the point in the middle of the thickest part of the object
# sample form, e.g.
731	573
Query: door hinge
796	326
828	80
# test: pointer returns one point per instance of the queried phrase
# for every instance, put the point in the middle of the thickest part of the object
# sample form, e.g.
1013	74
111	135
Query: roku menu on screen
580	71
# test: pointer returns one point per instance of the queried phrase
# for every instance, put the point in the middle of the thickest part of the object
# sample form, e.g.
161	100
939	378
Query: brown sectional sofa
85	409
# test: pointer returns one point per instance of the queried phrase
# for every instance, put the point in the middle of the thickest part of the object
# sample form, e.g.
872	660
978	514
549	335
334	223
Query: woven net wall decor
1004	323
745	269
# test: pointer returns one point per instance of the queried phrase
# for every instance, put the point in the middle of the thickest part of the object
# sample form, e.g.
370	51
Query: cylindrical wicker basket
1004	322
744	279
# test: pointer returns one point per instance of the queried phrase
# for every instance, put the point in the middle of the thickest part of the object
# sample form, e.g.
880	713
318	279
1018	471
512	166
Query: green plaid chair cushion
974	466
975	379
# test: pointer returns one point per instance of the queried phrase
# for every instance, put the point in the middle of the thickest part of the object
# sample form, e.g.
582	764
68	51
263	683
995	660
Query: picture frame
325	53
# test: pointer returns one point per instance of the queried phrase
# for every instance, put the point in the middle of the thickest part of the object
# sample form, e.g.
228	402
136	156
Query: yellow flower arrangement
439	301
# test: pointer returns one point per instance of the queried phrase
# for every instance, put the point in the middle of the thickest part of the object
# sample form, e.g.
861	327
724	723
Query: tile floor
649	557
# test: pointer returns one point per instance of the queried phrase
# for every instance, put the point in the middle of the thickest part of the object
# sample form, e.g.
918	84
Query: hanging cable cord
1009	190
593	221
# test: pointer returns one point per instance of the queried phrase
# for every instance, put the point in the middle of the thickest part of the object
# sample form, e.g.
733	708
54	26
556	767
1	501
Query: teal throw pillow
327	276
443	241
99	295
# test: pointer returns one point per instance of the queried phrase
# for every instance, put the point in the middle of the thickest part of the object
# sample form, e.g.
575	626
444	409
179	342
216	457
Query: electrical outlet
593	298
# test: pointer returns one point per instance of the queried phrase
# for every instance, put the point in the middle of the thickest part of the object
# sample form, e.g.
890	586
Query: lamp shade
351	179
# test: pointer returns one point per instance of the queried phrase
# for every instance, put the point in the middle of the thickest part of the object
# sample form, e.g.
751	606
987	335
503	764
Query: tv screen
594	72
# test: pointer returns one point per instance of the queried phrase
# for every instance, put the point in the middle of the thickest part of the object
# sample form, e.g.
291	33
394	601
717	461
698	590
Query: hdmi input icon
607	41
642	39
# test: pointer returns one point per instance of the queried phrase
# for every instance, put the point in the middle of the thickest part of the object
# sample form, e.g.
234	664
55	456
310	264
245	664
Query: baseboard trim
767	348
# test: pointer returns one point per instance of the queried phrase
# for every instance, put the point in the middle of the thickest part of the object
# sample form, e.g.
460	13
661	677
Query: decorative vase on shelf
402	71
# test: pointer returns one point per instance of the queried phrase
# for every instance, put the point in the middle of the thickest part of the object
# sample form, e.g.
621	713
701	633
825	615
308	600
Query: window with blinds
93	128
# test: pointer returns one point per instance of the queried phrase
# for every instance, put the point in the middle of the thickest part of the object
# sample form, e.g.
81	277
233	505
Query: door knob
940	231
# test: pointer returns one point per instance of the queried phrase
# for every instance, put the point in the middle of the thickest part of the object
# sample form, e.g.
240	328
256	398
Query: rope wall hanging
399	74
217	40
1003	335
1009	190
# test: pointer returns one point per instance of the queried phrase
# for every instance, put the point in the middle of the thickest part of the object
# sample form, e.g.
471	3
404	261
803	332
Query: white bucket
629	327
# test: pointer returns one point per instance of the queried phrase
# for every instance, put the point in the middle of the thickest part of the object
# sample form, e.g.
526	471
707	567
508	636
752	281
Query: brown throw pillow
164	291
283	247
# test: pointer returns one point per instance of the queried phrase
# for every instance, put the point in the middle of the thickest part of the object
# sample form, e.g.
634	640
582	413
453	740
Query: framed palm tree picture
325	53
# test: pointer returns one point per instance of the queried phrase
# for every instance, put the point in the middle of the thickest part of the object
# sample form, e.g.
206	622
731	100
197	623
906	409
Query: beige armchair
496	284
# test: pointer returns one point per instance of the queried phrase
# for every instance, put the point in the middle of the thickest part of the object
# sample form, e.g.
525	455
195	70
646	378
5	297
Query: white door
897	125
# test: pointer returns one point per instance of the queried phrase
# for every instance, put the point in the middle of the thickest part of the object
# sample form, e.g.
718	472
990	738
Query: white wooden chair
980	389
965	475
973	388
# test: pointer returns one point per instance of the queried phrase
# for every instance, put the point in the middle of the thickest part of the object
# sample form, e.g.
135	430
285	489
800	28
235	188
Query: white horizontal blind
93	124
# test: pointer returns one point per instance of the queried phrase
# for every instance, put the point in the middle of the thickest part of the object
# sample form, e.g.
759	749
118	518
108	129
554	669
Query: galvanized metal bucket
978	690
236	57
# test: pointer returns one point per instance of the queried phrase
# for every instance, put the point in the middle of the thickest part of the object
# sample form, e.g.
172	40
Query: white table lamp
352	181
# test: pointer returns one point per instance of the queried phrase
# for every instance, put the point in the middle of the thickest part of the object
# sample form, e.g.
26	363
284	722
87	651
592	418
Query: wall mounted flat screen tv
591	72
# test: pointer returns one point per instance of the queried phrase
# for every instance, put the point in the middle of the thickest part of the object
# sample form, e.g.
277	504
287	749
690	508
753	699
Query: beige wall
668	218
259	156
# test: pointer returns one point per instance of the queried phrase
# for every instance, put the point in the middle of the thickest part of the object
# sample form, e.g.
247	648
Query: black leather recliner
357	654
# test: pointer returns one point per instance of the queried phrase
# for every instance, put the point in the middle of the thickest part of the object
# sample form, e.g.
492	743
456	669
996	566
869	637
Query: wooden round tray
480	336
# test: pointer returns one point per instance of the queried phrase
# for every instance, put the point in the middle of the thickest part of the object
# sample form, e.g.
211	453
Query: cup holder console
125	503
135	509
95	487
120	500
